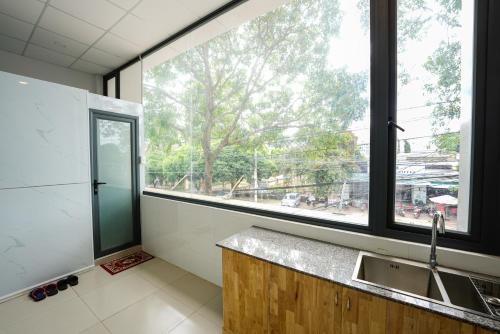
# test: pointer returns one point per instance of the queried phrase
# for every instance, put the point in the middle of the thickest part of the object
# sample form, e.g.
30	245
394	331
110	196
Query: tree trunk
209	173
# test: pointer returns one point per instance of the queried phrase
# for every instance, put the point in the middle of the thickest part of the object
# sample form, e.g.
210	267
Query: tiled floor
154	297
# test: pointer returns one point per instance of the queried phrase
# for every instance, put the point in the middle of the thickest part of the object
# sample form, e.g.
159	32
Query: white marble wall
45	232
45	208
44	132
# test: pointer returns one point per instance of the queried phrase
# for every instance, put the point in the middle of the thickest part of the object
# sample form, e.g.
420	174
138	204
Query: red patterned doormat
124	263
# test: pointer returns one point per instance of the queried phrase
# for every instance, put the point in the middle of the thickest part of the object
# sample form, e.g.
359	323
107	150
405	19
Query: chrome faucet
438	219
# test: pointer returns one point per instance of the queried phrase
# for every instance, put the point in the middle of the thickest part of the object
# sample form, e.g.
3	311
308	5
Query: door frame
134	142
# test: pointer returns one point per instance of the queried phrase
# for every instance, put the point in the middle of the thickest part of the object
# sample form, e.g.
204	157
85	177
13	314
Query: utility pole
255	182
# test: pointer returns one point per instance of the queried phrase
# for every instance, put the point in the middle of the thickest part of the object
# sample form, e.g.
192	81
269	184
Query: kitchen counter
333	263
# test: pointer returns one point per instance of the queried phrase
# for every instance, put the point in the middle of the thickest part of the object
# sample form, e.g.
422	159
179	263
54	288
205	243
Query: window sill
308	216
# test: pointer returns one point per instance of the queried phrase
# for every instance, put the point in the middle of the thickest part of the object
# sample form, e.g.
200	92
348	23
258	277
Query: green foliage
247	87
267	86
448	142
232	164
445	66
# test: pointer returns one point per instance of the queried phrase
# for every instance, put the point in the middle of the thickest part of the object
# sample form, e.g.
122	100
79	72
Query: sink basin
444	286
461	291
400	275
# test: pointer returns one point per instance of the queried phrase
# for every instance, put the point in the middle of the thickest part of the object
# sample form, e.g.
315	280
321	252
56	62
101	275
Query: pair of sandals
52	289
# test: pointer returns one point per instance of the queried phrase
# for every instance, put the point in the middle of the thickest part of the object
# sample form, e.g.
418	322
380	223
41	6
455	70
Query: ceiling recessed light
23	82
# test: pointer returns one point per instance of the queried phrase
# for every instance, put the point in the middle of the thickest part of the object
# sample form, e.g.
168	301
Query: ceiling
93	36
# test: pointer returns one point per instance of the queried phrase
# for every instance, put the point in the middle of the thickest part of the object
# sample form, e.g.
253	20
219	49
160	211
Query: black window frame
471	240
112	75
485	180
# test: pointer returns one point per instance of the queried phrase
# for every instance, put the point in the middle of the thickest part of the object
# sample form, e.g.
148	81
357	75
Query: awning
444	199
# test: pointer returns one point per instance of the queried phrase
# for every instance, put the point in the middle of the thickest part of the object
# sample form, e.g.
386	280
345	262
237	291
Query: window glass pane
435	67
272	114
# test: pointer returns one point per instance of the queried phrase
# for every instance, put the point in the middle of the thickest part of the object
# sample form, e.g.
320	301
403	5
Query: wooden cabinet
363	313
303	304
245	294
263	298
408	319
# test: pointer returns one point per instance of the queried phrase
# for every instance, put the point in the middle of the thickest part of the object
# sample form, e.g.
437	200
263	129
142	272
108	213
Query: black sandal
72	280
37	294
51	289
62	285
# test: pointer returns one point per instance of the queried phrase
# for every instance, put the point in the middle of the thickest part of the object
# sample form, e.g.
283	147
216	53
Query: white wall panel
131	83
185	234
45	133
45	232
13	63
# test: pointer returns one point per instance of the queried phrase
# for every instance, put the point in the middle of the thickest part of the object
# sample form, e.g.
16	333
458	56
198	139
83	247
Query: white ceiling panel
69	26
85	66
11	44
26	10
199	36
171	15
98	12
118	46
56	42
138	31
12	27
125	4
48	56
96	36
102	58
205	7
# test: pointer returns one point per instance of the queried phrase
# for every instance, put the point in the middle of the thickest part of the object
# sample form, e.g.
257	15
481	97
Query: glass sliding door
114	182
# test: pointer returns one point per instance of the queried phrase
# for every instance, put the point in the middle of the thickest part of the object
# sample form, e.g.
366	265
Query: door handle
394	124
96	186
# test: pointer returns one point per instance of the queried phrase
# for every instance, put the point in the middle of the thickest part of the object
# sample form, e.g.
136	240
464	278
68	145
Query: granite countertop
333	263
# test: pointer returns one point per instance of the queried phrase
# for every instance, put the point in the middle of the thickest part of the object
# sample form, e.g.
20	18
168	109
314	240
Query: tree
250	85
232	164
445	64
407	146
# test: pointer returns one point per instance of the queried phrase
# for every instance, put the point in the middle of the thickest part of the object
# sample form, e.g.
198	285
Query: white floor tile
159	272
157	313
129	302
192	290
113	297
70	316
196	325
95	278
96	329
212	311
18	309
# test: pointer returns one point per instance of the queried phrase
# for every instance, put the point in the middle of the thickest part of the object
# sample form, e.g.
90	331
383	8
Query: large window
333	112
434	105
273	114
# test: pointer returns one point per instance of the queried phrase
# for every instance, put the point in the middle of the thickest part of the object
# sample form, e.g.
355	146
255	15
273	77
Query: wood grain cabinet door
367	314
408	319
301	304
245	294
363	313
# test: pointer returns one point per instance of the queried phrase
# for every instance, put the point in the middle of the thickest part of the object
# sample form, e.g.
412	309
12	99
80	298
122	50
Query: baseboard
21	292
117	255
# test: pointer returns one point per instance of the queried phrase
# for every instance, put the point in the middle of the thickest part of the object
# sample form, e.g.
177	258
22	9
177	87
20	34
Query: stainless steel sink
399	275
444	286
